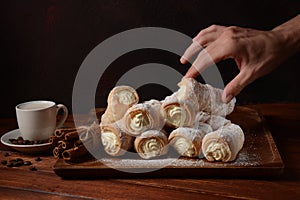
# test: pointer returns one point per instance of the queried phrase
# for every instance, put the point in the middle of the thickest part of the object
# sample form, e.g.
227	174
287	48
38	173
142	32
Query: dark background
44	43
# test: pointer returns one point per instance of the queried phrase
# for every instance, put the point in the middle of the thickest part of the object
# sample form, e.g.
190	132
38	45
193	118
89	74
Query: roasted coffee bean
13	162
27	142
27	163
12	140
21	141
15	142
9	164
19	163
38	159
19	159
6	154
32	168
4	162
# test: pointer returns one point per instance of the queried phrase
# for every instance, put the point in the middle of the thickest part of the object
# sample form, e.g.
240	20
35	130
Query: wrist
288	34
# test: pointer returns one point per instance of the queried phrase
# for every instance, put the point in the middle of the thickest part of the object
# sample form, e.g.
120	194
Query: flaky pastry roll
223	144
187	141
215	104
178	113
119	100
209	98
114	140
151	143
142	117
214	121
194	92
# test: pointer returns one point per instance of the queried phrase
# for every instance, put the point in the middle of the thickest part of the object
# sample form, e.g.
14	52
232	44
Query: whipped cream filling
126	97
216	151
151	148
176	116
139	122
184	147
110	142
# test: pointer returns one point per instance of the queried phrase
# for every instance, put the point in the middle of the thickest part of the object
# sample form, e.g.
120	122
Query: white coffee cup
37	119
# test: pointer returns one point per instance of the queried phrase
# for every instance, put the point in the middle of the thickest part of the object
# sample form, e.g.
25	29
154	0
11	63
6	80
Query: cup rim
50	104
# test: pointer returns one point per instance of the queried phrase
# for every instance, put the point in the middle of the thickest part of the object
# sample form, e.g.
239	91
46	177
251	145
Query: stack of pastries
192	121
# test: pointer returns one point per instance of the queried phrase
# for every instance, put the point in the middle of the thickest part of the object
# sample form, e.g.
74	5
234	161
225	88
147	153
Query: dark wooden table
282	119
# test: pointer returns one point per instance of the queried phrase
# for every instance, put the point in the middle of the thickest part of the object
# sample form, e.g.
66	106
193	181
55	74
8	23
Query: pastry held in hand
223	144
215	105
187	141
178	113
114	140
119	100
151	143
142	117
209	99
194	92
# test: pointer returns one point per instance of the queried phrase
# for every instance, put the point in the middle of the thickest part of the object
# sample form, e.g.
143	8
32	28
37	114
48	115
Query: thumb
234	87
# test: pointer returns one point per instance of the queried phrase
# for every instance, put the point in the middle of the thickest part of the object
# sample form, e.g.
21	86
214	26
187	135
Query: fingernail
182	60
229	97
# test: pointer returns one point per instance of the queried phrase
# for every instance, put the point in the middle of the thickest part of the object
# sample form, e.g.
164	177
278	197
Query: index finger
212	54
190	51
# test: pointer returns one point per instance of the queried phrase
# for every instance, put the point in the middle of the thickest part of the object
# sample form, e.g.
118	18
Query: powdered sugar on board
244	159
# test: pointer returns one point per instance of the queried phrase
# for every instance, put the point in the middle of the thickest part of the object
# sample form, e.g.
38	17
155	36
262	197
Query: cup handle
65	114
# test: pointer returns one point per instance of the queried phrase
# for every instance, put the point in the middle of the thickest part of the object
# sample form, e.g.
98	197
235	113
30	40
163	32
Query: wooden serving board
259	157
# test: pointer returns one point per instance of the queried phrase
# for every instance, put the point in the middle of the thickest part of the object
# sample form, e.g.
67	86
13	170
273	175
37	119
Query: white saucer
29	149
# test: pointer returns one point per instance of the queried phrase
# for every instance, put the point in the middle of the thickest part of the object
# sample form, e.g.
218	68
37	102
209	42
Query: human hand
255	52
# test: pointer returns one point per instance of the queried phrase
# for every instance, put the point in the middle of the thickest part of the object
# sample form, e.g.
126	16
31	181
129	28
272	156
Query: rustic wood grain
20	193
283	120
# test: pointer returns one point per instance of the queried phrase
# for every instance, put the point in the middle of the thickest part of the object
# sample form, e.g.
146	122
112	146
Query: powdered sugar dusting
243	160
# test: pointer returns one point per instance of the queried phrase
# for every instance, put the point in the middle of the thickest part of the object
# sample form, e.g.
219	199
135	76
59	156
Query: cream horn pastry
192	91
223	144
151	143
209	98
214	121
142	117
119	100
216	106
115	141
178	113
186	141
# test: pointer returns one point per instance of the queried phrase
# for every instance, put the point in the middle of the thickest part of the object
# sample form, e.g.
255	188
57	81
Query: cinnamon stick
74	135
62	131
66	144
77	143
75	153
57	151
53	140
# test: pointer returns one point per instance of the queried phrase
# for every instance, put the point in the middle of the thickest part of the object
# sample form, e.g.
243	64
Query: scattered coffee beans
27	163
21	141
19	159
6	154
38	159
4	162
17	162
